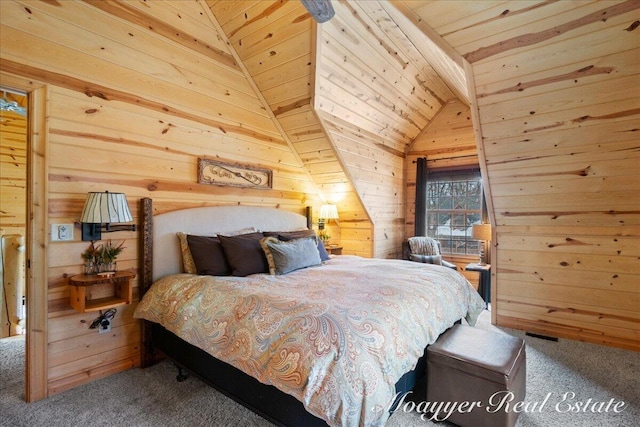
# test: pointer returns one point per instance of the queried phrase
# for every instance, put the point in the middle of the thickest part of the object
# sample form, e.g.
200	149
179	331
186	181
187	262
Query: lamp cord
106	317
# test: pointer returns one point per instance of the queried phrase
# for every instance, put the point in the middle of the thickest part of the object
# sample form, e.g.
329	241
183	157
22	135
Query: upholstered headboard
159	231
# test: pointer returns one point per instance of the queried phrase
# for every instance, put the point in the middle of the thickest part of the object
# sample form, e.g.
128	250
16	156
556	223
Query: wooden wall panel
558	123
13	203
378	177
13	173
131	109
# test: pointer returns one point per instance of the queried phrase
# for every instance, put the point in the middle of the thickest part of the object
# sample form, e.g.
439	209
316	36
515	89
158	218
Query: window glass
454	205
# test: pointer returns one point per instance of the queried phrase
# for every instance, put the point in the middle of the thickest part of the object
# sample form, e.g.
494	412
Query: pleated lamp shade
327	213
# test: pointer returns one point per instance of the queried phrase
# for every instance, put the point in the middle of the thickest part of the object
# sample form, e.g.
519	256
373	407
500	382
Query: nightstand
484	284
86	296
334	249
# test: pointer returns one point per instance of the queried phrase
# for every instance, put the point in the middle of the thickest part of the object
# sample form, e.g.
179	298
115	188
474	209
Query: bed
333	343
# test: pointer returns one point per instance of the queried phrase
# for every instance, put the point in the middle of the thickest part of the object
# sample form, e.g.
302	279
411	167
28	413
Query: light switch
61	232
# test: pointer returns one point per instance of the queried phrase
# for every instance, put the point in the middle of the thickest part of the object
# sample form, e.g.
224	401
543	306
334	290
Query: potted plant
91	256
324	236
108	254
101	258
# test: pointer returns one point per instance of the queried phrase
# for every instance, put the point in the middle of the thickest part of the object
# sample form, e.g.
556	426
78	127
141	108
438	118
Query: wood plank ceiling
350	96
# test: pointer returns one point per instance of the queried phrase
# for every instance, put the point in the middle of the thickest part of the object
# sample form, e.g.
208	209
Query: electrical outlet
61	232
104	327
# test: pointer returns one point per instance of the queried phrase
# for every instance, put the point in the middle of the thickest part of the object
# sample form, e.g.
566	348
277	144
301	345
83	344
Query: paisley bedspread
337	336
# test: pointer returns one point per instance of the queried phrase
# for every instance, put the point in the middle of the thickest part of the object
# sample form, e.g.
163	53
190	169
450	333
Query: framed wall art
220	173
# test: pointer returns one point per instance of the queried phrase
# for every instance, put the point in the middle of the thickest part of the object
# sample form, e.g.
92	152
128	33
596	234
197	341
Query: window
454	204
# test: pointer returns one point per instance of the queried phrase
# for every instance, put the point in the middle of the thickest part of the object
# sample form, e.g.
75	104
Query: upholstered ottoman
482	372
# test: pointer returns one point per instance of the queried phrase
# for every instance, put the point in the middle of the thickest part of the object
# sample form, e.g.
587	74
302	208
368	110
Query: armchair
427	250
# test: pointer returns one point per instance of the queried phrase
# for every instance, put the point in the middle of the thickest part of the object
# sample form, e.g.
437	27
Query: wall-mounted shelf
334	249
81	285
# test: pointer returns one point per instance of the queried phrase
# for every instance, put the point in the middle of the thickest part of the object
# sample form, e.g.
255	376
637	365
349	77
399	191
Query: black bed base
267	401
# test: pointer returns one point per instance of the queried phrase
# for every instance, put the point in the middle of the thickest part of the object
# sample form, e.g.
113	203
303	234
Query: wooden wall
13	173
137	92
13	207
557	92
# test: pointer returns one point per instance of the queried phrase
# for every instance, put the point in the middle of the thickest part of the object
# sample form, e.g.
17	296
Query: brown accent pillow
290	235
244	254
208	256
187	260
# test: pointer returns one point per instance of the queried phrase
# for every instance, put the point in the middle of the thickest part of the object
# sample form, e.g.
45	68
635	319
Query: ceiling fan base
320	10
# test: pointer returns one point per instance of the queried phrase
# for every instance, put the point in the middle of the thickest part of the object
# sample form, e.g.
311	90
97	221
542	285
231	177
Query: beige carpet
152	397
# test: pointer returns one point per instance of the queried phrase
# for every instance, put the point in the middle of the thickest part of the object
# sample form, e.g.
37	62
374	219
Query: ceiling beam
444	59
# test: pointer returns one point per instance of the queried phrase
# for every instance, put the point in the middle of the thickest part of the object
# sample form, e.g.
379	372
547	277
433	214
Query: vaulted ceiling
349	95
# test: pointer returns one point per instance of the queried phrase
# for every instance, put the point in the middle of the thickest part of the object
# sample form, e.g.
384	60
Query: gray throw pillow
298	234
284	257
